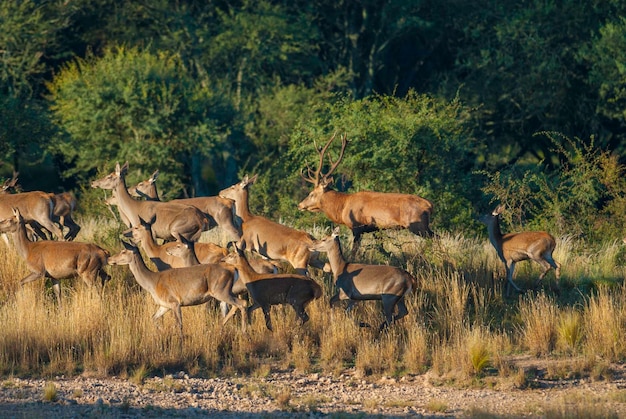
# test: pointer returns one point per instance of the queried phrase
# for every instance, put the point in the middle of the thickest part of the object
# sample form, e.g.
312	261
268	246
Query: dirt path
306	395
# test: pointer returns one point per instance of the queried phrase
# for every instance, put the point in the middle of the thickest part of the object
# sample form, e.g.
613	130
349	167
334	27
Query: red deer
54	259
172	220
358	282
516	247
268	238
159	254
36	208
365	211
218	210
64	205
267	290
180	287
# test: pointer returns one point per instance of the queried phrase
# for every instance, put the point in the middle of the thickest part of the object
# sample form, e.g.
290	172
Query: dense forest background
463	102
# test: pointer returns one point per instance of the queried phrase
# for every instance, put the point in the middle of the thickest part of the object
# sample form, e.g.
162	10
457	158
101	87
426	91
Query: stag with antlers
365	211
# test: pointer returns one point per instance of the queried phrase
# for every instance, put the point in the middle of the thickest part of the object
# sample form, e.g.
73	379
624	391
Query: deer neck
144	276
151	193
246	273
149	245
495	234
242	209
190	258
21	240
336	259
332	204
126	203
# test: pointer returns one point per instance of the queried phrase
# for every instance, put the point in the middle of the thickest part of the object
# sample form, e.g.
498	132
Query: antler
315	177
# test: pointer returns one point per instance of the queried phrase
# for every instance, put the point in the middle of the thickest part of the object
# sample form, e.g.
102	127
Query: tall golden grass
459	325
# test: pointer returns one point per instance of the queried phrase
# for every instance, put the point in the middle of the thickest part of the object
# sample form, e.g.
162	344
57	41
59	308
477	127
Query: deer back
527	245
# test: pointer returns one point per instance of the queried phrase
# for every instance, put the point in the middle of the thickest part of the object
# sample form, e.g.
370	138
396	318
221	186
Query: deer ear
498	210
253	178
154	176
336	232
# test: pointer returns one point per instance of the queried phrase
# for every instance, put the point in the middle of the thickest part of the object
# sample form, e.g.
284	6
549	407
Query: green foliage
135	106
416	144
607	57
584	198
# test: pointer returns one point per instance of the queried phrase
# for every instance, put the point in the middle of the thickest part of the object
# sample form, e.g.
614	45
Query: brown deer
218	210
191	253
180	287
365	211
54	259
160	255
358	282
267	290
36	208
172	220
64	205
516	247
268	238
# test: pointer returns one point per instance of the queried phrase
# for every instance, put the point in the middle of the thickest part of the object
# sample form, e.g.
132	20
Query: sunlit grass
459	324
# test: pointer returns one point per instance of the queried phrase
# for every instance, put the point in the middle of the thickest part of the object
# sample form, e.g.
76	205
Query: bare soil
290	394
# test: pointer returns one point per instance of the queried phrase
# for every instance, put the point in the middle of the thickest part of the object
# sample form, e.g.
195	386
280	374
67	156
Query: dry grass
458	325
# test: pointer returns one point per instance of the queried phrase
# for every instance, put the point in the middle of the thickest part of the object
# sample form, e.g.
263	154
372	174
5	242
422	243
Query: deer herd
189	272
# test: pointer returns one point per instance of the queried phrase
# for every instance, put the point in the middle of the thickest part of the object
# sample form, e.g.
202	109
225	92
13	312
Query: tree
607	58
28	39
137	106
415	144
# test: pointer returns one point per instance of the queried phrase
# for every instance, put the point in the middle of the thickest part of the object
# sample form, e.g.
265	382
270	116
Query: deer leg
389	302
334	299
356	240
510	269
160	312
56	287
250	310
30	278
299	308
73	227
179	320
402	310
268	319
351	304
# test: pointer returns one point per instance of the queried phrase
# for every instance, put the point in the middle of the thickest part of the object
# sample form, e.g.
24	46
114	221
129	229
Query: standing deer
268	238
358	282
172	220
218	210
180	287
365	211
160	255
56	260
516	247
267	290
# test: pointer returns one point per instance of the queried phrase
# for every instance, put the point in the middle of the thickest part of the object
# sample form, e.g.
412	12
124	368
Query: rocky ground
308	395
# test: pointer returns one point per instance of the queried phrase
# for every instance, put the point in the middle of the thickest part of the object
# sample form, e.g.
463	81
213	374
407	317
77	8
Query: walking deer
172	220
358	282
268	238
267	290
218	210
516	247
56	259
180	287
36	207
365	211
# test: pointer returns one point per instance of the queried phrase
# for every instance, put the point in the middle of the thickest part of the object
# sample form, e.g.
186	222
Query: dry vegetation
459	326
